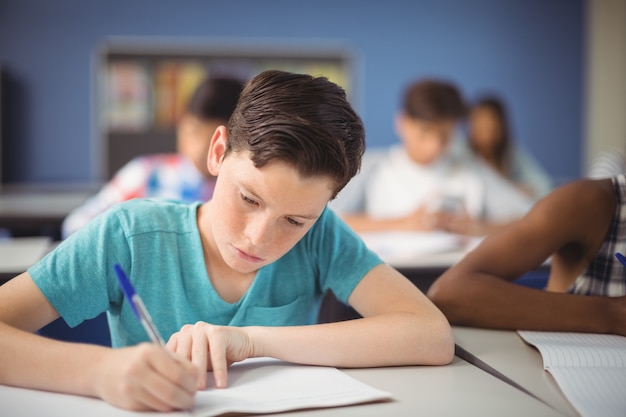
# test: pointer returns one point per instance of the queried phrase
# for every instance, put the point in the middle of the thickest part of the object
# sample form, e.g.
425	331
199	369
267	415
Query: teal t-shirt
157	242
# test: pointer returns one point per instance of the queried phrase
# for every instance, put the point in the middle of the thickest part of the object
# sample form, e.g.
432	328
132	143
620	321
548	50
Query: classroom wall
605	86
530	51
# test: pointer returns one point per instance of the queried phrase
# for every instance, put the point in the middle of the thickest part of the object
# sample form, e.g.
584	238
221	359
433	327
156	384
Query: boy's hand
211	347
146	377
460	223
419	219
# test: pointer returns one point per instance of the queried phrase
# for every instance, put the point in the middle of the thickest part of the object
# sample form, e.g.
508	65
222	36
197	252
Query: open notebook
255	386
268	386
590	369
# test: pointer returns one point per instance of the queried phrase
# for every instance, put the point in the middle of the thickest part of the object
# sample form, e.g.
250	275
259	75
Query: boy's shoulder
148	204
143	214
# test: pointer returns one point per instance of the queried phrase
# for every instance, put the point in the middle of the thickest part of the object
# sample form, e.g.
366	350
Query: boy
581	226
182	175
249	267
424	183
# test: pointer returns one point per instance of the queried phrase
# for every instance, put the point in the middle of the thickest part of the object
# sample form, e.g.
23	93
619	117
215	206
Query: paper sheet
267	386
590	369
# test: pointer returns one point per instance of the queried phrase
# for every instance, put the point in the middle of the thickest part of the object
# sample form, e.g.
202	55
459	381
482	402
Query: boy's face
260	214
424	141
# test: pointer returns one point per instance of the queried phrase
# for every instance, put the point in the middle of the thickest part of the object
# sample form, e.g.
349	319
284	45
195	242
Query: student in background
238	276
608	163
182	175
579	226
422	183
489	137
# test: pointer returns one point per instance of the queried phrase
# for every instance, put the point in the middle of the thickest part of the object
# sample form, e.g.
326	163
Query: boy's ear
217	149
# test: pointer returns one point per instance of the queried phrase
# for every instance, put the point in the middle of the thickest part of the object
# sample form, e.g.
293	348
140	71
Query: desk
39	210
19	254
420	256
505	351
456	389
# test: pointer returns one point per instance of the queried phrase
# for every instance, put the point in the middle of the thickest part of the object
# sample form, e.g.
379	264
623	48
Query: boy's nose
259	231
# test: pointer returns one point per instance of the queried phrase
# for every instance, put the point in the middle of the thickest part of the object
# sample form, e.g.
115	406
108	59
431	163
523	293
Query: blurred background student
182	175
422	183
490	138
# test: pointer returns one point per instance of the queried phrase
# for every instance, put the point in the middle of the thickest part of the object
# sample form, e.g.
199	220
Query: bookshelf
141	86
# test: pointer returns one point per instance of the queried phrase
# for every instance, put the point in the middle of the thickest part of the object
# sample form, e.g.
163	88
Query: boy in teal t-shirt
236	277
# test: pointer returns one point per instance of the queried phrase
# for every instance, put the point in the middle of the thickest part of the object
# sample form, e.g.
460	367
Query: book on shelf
128	96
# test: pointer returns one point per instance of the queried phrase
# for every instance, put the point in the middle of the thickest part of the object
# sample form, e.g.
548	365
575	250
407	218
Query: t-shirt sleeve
343	258
78	277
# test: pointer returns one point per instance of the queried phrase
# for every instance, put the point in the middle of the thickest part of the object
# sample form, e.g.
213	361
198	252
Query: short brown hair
433	101
215	98
299	119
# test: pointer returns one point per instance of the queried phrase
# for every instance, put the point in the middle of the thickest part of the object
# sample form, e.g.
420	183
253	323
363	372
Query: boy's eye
294	222
248	200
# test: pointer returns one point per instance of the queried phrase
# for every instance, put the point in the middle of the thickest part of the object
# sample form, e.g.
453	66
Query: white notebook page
268	386
590	369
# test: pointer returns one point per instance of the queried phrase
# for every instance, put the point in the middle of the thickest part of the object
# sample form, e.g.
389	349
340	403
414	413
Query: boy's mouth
247	256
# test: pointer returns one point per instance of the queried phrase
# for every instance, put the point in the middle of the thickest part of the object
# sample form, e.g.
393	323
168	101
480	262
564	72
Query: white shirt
393	186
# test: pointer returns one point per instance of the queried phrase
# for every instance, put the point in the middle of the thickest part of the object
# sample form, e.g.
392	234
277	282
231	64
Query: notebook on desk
267	385
590	369
255	386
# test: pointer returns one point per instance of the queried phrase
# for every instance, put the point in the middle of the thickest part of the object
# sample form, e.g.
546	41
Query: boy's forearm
386	340
32	361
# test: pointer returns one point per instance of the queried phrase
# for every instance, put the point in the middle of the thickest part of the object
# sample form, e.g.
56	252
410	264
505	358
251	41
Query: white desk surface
408	249
506	352
19	254
25	204
456	389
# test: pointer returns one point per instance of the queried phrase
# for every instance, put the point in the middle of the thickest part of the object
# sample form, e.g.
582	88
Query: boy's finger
199	357
178	370
218	363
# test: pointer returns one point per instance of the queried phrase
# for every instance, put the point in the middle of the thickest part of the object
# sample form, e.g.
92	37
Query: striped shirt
168	176
605	275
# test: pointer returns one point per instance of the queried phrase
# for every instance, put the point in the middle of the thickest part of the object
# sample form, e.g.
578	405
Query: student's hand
211	347
146	378
459	223
420	219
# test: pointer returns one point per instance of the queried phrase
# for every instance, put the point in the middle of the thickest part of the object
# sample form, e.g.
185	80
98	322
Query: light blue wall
530	51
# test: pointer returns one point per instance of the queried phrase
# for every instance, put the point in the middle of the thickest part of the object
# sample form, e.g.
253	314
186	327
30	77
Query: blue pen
621	258
138	306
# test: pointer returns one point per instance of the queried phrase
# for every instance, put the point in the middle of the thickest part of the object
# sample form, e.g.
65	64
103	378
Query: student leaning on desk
580	227
182	175
238	276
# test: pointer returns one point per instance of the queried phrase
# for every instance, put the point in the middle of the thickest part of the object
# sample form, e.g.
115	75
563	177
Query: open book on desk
268	386
589	368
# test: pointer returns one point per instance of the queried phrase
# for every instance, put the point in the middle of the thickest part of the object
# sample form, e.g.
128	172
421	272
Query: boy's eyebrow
303	216
306	216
